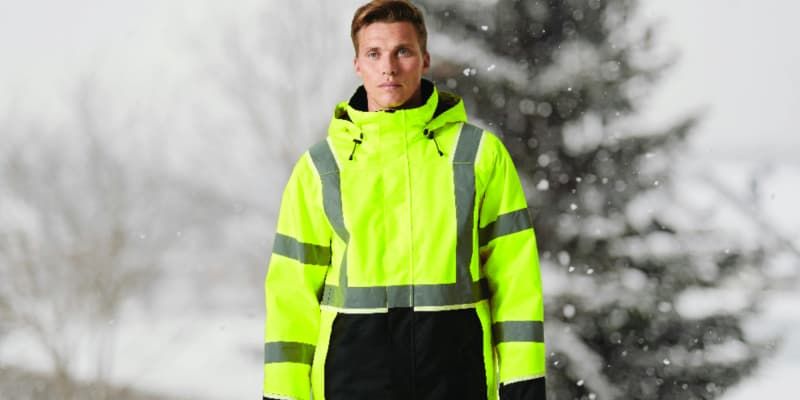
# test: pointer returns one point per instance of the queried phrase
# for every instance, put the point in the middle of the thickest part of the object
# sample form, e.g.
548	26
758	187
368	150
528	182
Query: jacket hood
353	123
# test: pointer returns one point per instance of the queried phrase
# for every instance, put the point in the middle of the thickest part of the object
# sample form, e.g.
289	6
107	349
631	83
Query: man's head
390	41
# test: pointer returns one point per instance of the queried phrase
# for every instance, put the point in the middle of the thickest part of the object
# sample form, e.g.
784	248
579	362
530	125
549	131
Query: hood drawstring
356	142
430	135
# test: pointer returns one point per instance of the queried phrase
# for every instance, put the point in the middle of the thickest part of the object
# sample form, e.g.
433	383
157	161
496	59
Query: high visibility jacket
404	264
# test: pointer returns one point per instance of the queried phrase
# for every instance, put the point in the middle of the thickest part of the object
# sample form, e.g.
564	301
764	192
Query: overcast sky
739	59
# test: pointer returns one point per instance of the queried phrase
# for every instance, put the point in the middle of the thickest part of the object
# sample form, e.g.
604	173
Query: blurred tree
82	233
631	280
272	75
281	84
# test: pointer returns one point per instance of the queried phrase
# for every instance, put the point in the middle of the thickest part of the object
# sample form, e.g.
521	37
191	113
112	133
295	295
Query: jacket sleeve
295	277
510	262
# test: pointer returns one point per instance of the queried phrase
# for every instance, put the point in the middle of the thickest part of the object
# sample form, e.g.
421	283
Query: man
405	263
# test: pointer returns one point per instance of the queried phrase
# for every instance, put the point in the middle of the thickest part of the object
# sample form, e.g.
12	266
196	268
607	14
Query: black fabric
359	99
449	356
533	389
446	101
402	355
358	361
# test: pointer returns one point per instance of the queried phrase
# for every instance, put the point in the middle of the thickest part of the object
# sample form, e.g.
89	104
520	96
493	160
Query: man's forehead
381	34
379	44
388	31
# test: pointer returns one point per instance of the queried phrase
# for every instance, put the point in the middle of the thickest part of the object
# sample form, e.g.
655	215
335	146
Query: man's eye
372	54
403	52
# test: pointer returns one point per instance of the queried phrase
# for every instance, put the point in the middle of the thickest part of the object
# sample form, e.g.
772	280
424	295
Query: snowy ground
189	356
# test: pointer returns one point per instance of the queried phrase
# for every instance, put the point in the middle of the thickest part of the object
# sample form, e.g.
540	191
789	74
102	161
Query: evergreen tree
559	81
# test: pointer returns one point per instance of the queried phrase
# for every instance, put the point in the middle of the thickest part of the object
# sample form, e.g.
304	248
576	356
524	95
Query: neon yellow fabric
396	238
291	286
510	263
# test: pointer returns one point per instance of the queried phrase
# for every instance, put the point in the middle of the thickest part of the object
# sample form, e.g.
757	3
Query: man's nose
389	66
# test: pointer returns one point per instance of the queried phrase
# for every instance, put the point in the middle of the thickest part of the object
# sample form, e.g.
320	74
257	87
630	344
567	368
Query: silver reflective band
445	294
464	182
505	224
463	291
325	162
294	352
306	253
518	331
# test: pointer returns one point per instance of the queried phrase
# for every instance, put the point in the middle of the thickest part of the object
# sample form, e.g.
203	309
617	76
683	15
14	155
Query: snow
191	354
194	351
696	303
777	377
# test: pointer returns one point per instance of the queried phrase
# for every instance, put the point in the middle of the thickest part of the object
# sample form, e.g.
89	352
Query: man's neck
414	101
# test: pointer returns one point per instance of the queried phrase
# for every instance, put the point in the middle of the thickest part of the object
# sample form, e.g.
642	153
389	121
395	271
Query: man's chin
394	103
390	105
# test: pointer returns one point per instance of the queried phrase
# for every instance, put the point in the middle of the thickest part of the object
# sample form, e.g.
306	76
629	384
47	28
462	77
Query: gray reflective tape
468	142
505	224
325	162
294	352
450	294
446	294
464	182
463	291
306	253
518	331
336	295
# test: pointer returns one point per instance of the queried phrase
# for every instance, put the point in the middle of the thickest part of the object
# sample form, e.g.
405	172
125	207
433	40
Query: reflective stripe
399	295
505	224
463	291
518	331
464	182
325	162
306	253
295	352
273	396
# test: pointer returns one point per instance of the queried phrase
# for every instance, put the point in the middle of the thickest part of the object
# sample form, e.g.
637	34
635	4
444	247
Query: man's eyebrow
398	46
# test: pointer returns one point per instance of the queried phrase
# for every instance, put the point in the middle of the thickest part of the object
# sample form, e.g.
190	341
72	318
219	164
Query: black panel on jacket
533	389
403	355
359	99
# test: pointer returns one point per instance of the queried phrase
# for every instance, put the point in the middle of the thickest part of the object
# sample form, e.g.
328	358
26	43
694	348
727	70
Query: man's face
391	63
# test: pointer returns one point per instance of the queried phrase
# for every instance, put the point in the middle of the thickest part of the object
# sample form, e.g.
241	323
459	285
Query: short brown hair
389	11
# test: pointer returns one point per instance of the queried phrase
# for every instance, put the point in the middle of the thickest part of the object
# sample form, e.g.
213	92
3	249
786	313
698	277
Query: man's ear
356	67
426	62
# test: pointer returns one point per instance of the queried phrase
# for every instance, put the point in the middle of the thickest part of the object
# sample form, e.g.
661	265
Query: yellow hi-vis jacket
404	264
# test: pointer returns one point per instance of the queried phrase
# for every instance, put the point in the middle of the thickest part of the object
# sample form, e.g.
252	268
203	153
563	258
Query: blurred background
144	147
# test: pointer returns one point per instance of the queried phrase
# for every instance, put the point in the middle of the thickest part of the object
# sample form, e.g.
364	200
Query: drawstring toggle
356	142
430	135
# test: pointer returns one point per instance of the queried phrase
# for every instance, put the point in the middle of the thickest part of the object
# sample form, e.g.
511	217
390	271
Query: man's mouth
389	85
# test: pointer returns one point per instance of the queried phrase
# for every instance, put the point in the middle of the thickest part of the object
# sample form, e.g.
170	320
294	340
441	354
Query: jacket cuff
532	389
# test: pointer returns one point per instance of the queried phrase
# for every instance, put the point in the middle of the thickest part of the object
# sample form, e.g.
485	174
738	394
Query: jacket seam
524	378
279	396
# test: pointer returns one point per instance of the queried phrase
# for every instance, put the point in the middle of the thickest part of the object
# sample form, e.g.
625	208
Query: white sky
739	59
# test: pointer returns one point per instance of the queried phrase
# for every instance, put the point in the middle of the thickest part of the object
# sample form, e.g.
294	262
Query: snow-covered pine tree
559	80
